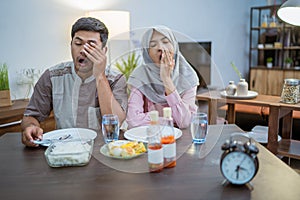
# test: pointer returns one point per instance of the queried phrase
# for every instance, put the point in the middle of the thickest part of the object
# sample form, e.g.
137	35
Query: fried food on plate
126	148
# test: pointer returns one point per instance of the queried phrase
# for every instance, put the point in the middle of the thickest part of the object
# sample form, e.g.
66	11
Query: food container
290	91
70	153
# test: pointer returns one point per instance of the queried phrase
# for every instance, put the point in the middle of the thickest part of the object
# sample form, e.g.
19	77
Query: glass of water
198	127
110	127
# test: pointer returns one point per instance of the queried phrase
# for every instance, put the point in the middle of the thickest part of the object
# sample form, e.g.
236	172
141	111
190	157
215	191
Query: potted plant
127	66
242	86
4	86
288	62
269	62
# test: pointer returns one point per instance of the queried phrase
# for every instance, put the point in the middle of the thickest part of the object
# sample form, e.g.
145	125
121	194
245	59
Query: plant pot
5	98
231	88
269	65
242	88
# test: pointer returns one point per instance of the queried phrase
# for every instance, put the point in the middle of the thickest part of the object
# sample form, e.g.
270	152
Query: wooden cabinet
266	81
270	81
257	80
11	116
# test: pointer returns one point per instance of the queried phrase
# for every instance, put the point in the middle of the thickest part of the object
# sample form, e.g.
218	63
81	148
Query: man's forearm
29	121
108	103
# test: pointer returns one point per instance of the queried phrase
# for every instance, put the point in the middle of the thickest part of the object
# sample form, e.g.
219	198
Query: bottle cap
167	112
154	115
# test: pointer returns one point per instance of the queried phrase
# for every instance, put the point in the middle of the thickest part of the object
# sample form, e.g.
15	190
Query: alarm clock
239	162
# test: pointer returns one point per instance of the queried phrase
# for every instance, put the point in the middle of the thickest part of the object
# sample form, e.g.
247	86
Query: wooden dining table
277	111
25	174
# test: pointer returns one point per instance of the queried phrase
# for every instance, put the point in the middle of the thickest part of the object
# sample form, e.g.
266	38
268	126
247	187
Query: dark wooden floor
294	163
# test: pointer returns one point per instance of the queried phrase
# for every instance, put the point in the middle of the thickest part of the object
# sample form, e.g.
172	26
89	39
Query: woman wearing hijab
164	79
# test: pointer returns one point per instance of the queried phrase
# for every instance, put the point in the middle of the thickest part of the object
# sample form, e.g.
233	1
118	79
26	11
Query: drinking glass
110	127
198	127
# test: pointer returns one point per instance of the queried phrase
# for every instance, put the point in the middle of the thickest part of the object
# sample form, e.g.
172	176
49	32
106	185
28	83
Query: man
79	92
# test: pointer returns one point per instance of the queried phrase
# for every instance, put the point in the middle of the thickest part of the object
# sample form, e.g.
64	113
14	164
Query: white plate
76	134
140	134
105	150
261	137
251	94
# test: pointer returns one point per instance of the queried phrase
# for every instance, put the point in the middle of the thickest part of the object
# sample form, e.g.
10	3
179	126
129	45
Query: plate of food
123	149
66	134
250	95
140	134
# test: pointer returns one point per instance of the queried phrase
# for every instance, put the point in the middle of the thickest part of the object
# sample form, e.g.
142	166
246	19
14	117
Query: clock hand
242	160
242	168
237	171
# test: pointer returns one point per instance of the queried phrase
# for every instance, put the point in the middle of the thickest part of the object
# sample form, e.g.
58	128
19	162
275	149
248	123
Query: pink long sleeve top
182	108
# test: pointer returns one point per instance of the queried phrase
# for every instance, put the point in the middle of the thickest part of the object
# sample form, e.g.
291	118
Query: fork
49	141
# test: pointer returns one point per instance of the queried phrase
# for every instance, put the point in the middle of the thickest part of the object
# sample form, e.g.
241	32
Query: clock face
238	167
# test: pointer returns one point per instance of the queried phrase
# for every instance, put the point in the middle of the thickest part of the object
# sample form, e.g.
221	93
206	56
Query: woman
165	79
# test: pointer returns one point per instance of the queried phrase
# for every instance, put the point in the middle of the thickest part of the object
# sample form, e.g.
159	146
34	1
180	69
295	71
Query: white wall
36	34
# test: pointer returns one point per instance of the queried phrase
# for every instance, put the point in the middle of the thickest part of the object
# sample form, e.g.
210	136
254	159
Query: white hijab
146	77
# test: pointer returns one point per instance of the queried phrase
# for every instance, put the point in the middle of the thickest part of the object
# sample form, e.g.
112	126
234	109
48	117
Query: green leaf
4	83
128	65
236	70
